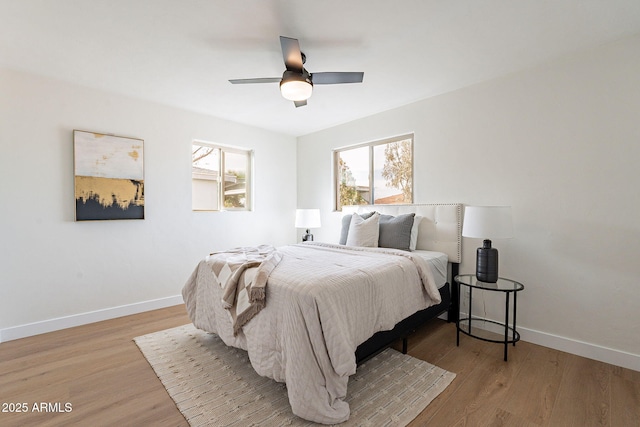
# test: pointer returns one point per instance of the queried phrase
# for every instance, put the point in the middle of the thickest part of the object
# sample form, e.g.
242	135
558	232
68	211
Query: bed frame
440	230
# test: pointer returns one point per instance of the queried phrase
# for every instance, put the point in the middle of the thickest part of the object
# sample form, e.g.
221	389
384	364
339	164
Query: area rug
215	385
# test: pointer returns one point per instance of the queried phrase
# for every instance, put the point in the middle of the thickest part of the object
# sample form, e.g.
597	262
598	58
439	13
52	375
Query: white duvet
322	301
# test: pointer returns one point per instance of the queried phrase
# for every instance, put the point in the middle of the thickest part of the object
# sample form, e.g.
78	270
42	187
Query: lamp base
308	237
487	263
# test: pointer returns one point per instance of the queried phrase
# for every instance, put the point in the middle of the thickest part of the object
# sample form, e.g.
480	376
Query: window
213	190
375	173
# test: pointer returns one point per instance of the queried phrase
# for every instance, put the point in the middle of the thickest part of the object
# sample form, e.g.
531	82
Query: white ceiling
183	52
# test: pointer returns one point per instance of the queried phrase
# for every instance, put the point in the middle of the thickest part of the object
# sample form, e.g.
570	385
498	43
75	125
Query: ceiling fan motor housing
296	86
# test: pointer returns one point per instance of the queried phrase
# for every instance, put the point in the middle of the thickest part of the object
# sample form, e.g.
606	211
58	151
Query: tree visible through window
379	173
213	190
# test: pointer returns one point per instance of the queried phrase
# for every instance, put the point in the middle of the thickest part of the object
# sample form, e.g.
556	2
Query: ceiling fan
296	83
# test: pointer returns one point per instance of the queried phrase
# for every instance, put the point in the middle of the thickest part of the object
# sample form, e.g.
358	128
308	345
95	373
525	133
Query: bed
329	306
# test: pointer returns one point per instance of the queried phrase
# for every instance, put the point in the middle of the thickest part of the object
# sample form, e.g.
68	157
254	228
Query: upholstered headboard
440	228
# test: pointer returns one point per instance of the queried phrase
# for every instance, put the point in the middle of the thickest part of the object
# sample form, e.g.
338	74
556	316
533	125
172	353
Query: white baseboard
579	348
37	328
588	350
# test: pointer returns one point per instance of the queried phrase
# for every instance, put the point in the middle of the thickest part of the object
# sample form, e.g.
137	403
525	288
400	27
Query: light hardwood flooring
99	370
538	386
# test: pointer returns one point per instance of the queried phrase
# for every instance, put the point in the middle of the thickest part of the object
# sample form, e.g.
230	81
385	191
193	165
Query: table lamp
307	218
487	222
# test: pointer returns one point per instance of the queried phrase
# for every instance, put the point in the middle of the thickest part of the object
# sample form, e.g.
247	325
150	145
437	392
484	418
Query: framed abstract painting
108	176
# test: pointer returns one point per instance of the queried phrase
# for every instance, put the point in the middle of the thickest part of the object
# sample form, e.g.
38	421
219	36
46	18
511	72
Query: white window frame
336	167
224	150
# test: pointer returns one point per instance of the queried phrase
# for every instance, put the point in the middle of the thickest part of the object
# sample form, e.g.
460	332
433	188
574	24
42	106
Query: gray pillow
395	231
346	221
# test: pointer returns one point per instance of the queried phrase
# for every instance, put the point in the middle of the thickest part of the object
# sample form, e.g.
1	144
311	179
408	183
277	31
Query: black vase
487	263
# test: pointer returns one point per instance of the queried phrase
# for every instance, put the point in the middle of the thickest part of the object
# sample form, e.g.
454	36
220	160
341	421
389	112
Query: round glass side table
484	329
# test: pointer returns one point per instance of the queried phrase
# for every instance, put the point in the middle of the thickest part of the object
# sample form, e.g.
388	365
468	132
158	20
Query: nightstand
480	328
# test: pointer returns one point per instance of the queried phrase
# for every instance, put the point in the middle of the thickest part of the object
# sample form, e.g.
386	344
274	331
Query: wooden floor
95	375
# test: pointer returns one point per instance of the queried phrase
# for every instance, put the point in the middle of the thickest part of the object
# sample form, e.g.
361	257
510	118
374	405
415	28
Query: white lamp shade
307	218
487	222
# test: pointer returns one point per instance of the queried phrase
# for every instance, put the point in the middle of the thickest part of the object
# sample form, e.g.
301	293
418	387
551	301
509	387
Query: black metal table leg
458	316
470	308
506	326
515	307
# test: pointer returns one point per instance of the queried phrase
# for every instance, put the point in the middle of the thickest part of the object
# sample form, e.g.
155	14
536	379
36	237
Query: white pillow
414	232
364	232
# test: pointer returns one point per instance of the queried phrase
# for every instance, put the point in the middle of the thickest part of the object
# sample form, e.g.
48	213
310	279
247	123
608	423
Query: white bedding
322	301
439	263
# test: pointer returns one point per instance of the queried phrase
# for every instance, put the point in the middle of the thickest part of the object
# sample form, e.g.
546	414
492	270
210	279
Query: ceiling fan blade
258	80
336	78
300	103
291	54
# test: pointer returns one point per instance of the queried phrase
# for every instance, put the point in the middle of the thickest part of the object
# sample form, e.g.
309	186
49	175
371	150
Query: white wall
52	267
559	143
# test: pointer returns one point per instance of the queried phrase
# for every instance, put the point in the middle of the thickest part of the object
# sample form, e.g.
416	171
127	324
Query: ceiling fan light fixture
296	87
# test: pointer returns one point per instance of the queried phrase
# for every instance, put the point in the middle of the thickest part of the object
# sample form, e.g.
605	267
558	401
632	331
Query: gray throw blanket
242	274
